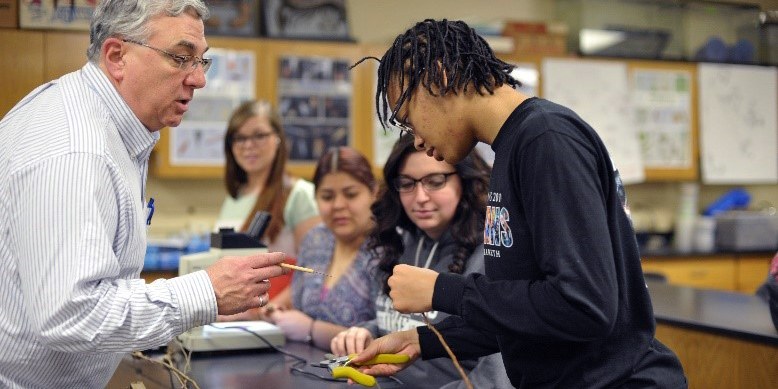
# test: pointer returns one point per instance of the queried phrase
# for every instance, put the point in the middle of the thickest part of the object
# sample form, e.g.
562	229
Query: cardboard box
233	18
9	13
60	15
537	38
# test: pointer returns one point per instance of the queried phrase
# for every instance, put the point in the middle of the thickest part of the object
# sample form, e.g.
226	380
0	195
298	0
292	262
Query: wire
468	384
300	361
183	379
267	342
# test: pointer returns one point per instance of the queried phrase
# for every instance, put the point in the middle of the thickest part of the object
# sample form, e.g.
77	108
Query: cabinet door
752	272
22	66
713	272
65	52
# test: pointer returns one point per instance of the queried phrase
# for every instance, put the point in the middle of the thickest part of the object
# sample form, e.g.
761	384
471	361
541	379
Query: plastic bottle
686	217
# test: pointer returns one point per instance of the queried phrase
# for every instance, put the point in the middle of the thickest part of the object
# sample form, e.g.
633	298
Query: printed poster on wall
314	100
662	104
199	139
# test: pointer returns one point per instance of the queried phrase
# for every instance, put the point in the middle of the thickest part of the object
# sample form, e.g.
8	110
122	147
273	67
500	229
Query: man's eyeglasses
240	140
430	182
182	61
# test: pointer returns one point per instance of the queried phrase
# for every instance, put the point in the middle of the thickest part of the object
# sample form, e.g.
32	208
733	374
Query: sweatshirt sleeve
465	341
561	205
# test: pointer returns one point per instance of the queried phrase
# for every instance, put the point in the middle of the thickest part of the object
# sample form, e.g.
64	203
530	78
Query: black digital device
259	224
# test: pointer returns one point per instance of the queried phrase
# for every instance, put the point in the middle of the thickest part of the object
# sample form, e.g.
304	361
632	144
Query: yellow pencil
302	269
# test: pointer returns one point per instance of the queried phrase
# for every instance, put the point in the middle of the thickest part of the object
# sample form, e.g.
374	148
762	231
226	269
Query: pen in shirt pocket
149	211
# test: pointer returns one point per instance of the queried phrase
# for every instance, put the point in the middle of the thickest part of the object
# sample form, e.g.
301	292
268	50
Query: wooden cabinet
752	272
715	360
713	272
22	66
731	272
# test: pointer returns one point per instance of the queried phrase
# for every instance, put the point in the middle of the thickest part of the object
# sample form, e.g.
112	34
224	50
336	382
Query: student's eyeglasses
259	137
182	61
402	124
430	182
404	128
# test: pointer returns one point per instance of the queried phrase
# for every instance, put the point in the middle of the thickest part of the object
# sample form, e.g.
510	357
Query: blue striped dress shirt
73	166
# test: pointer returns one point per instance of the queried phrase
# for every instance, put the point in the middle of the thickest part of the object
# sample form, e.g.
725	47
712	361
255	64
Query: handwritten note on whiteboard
598	91
738	129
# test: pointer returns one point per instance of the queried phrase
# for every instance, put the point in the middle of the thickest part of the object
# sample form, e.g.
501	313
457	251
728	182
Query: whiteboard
598	91
738	130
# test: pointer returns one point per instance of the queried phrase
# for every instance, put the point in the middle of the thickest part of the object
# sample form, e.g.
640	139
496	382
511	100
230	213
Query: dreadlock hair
447	55
466	228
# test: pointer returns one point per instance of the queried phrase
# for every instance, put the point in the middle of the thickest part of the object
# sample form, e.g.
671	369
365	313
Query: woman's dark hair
447	55
347	160
275	192
467	226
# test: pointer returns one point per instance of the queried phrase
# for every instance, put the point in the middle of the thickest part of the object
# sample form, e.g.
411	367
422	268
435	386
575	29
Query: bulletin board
269	55
315	101
663	98
326	60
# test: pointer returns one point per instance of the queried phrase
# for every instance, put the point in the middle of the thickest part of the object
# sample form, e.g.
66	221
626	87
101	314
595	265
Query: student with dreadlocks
563	297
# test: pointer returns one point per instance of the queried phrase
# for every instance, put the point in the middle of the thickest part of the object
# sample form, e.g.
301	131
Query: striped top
73	168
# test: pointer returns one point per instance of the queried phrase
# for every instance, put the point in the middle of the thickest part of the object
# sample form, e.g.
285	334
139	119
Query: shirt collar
138	140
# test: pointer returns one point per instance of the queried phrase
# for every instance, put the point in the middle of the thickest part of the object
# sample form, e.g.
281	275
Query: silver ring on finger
262	301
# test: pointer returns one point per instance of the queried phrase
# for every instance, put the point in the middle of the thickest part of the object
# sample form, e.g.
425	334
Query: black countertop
735	315
727	313
270	369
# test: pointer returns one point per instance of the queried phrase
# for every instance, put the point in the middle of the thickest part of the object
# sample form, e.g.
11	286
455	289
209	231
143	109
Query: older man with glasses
73	166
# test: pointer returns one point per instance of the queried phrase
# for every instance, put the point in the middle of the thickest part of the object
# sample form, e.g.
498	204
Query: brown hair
278	185
347	160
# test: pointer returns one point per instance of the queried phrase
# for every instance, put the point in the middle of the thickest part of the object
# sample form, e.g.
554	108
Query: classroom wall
186	204
378	22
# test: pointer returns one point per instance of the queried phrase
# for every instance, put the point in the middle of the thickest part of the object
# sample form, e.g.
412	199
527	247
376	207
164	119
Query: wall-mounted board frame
325	62
269	57
664	97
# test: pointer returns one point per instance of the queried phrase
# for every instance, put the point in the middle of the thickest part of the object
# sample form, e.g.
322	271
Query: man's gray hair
129	19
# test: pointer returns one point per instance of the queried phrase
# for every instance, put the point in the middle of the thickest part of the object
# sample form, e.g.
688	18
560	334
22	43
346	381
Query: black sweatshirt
563	297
